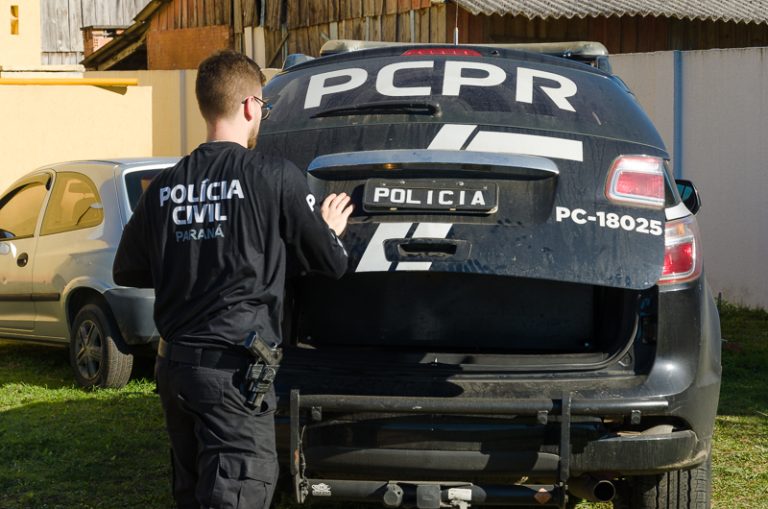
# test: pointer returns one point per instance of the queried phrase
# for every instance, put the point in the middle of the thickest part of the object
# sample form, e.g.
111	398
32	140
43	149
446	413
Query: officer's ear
252	108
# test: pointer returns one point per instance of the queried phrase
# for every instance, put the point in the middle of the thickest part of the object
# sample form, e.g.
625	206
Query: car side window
74	204
20	208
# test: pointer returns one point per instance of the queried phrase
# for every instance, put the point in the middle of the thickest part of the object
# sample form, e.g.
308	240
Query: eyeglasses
266	108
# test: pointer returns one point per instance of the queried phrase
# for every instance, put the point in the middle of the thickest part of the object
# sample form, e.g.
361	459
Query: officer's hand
336	210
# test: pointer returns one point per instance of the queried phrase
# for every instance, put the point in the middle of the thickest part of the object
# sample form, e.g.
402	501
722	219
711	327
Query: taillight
636	180
453	52
682	253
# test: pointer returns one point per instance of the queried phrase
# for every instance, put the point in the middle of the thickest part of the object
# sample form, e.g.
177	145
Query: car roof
122	162
105	168
99	169
578	55
109	166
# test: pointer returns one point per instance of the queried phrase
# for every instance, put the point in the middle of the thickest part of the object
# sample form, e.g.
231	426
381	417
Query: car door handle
22	260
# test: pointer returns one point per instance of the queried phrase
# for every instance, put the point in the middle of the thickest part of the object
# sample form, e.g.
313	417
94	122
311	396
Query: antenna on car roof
456	26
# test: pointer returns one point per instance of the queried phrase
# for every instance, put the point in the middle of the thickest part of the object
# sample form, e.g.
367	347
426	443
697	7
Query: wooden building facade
182	32
61	23
626	34
306	24
178	34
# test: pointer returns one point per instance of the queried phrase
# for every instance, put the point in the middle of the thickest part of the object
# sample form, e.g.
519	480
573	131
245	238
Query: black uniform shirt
211	236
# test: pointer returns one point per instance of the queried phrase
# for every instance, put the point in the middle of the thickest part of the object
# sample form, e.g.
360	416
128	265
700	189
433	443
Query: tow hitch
394	494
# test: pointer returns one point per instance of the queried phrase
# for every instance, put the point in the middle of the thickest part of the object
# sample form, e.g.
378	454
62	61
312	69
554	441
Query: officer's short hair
224	79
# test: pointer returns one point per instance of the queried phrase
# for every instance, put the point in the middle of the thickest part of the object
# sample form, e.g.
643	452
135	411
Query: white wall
724	144
20	50
44	124
177	124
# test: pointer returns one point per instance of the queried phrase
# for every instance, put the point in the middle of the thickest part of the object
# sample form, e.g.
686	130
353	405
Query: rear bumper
133	309
556	444
630	455
537	431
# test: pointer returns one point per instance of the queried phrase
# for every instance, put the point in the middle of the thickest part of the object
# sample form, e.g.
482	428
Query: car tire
679	489
96	349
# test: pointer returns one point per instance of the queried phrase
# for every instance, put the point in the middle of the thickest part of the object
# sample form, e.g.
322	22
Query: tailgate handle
426	249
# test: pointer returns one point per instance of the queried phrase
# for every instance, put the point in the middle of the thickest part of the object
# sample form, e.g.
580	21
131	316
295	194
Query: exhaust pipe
592	489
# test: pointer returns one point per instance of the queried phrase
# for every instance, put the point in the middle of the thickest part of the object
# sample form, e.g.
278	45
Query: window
20	208
74	204
136	182
14	20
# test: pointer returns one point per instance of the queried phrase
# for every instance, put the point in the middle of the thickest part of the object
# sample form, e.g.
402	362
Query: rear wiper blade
382	108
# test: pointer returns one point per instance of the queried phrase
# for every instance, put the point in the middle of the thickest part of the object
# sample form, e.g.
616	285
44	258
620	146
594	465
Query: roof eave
125	44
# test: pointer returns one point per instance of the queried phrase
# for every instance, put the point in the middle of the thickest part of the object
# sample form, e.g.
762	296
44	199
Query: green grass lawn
740	459
62	447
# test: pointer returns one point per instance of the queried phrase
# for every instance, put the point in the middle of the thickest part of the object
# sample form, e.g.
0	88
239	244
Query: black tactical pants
223	453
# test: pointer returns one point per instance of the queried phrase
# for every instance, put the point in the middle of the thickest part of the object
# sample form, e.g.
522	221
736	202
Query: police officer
211	235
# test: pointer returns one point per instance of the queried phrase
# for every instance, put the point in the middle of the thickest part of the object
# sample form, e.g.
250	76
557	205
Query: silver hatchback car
59	228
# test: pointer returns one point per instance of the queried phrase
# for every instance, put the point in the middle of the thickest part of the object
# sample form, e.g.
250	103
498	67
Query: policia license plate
432	195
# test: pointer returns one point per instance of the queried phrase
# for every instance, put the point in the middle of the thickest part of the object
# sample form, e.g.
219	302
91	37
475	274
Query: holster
262	372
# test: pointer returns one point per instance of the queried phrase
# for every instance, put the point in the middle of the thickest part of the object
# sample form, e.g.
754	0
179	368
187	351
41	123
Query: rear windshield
503	91
136	182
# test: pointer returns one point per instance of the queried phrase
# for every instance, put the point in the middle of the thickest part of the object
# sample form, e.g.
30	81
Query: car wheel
679	489
95	349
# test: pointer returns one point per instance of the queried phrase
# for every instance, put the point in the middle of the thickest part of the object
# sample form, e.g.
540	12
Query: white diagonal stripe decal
373	259
528	144
451	137
432	230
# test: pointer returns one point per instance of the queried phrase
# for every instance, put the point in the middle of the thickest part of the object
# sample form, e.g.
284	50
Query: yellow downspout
97	82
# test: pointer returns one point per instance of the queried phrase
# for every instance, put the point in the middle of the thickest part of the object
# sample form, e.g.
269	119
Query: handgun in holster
262	371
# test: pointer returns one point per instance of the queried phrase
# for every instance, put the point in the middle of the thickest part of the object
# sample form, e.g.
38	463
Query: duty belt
203	357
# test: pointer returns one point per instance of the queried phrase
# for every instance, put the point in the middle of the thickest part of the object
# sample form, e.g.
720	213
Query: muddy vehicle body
525	319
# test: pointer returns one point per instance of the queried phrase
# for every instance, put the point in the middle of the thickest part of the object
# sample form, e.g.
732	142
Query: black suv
525	319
